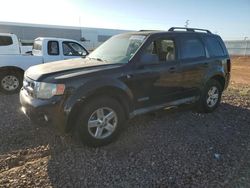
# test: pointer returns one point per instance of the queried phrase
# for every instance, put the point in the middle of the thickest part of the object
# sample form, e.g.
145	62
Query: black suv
130	74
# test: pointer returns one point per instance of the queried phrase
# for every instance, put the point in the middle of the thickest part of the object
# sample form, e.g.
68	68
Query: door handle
172	69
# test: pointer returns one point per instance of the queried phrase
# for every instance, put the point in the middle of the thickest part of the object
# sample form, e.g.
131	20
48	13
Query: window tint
214	47
162	50
5	41
53	48
73	49
192	48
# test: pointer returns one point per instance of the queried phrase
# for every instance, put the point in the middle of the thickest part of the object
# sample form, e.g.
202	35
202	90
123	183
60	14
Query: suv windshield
118	49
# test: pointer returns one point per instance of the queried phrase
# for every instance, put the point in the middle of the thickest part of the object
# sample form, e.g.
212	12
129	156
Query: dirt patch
240	70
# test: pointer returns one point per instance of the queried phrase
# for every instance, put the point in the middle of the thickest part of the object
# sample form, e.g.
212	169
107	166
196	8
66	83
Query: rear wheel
210	97
10	81
100	121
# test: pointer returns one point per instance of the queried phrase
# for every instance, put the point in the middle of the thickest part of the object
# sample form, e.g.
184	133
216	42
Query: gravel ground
174	148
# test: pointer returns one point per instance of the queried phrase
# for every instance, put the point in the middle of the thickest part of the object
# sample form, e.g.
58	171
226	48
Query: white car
13	63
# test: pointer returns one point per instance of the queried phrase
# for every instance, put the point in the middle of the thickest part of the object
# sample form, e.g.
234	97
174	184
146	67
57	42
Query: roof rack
189	29
146	30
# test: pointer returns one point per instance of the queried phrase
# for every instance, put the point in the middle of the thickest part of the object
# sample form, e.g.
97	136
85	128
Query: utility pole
187	23
80	24
245	38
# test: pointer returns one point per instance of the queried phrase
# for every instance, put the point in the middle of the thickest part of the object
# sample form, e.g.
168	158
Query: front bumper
44	111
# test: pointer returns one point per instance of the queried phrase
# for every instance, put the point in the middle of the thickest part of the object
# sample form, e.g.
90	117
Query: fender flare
92	88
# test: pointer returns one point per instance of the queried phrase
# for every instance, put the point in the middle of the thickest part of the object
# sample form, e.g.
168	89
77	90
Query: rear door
193	64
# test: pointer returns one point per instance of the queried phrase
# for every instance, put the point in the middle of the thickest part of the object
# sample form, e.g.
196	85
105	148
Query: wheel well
112	92
16	69
220	79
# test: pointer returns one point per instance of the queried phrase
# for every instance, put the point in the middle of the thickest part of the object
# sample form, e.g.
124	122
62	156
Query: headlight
44	90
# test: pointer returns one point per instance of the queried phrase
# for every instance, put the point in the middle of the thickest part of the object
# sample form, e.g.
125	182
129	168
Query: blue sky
229	18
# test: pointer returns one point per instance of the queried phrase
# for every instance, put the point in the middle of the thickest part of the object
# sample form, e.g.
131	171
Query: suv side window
192	48
161	51
213	46
53	48
167	50
73	49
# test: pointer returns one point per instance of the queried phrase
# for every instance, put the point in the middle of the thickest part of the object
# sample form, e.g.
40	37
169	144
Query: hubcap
10	82
102	123
212	97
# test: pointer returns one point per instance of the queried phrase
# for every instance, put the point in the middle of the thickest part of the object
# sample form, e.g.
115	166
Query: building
91	37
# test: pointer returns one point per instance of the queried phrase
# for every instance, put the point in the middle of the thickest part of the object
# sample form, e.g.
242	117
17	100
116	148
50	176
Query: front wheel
100	121
210	97
10	82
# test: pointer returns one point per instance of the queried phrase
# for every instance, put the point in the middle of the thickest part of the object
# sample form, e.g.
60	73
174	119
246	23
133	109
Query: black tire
82	131
16	75
203	105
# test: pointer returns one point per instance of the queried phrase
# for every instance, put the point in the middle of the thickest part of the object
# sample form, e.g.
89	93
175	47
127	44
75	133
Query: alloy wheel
212	97
102	123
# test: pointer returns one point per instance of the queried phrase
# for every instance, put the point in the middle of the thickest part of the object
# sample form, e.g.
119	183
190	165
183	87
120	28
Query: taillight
229	65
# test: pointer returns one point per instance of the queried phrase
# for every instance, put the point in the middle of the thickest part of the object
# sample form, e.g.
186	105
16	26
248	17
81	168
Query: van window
5	41
53	48
213	46
192	48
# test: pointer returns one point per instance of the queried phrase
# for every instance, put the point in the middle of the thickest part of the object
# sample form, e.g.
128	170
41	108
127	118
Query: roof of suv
179	30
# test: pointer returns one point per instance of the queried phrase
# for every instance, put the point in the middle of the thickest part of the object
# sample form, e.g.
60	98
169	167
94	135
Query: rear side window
213	46
53	48
5	41
192	48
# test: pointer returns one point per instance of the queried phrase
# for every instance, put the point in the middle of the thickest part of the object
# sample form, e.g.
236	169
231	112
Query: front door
156	79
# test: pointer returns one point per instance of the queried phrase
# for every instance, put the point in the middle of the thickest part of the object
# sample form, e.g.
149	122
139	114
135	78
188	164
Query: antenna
80	24
187	23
